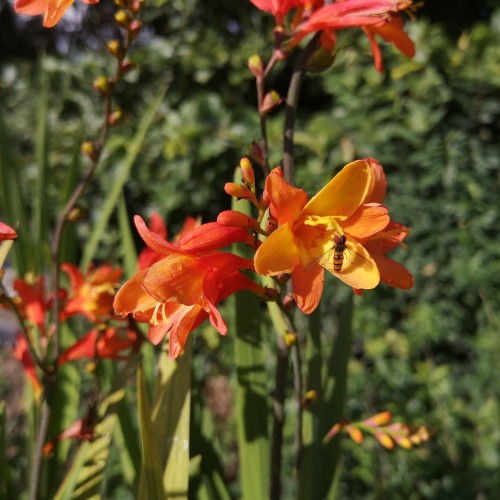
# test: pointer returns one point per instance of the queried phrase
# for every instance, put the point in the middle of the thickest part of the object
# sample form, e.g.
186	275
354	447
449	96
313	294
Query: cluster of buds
244	191
387	434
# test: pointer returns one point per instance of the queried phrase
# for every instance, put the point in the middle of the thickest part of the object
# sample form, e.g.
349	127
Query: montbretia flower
330	231
91	294
179	291
52	10
6	232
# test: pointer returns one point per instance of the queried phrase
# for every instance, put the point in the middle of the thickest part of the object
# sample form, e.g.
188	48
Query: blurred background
430	355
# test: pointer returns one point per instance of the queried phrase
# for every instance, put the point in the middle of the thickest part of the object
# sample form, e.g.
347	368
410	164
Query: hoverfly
343	250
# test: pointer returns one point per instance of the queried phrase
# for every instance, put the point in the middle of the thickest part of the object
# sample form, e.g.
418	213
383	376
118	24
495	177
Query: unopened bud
288	300
257	154
238	191
126	66
136	6
115	48
122	17
102	85
271	100
309	398
233	218
115	117
256	66
248	173
76	214
291	338
89	148
134	28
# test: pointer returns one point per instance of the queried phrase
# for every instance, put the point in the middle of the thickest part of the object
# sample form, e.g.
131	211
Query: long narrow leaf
41	207
121	178
126	239
151	485
252	406
171	416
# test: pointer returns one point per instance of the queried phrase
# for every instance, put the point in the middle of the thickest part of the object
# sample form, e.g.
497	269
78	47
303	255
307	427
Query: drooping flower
111	343
92	294
278	8
179	291
52	10
22	353
330	231
6	232
32	301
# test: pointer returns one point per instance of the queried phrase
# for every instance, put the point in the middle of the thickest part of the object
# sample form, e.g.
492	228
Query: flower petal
359	270
366	221
393	273
286	201
176	278
378	186
187	321
277	254
212	236
152	239
132	297
307	282
344	193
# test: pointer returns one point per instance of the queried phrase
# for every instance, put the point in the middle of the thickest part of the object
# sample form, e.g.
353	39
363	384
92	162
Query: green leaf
41	209
86	474
151	484
120	179
252	405
170	418
126	239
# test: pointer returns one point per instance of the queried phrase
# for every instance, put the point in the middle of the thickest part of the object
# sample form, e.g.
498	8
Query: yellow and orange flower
52	10
305	242
91	295
179	291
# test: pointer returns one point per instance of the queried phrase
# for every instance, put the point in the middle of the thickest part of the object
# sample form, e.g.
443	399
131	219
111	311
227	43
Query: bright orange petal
393	32
182	329
278	254
307	285
132	297
55	10
366	221
393	273
176	278
378	186
344	193
358	270
286	201
30	7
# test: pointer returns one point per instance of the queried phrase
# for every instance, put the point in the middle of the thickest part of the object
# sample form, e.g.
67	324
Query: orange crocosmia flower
391	31
32	301
52	10
91	294
278	8
82	429
179	291
6	232
307	239
109	343
22	353
148	256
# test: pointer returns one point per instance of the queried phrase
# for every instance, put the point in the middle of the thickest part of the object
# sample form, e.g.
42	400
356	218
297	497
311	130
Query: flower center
159	310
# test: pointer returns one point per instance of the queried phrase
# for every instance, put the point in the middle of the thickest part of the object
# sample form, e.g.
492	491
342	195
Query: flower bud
248	173
238	191
134	28
291	338
90	149
256	66
271	100
257	154
102	85
126	66
115	48
136	6
122	17
115	117
233	218
310	397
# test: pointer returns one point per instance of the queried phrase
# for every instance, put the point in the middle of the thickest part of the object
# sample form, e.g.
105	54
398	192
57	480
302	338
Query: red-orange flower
278	8
110	343
33	303
22	353
179	291
91	295
6	232
52	10
330	231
